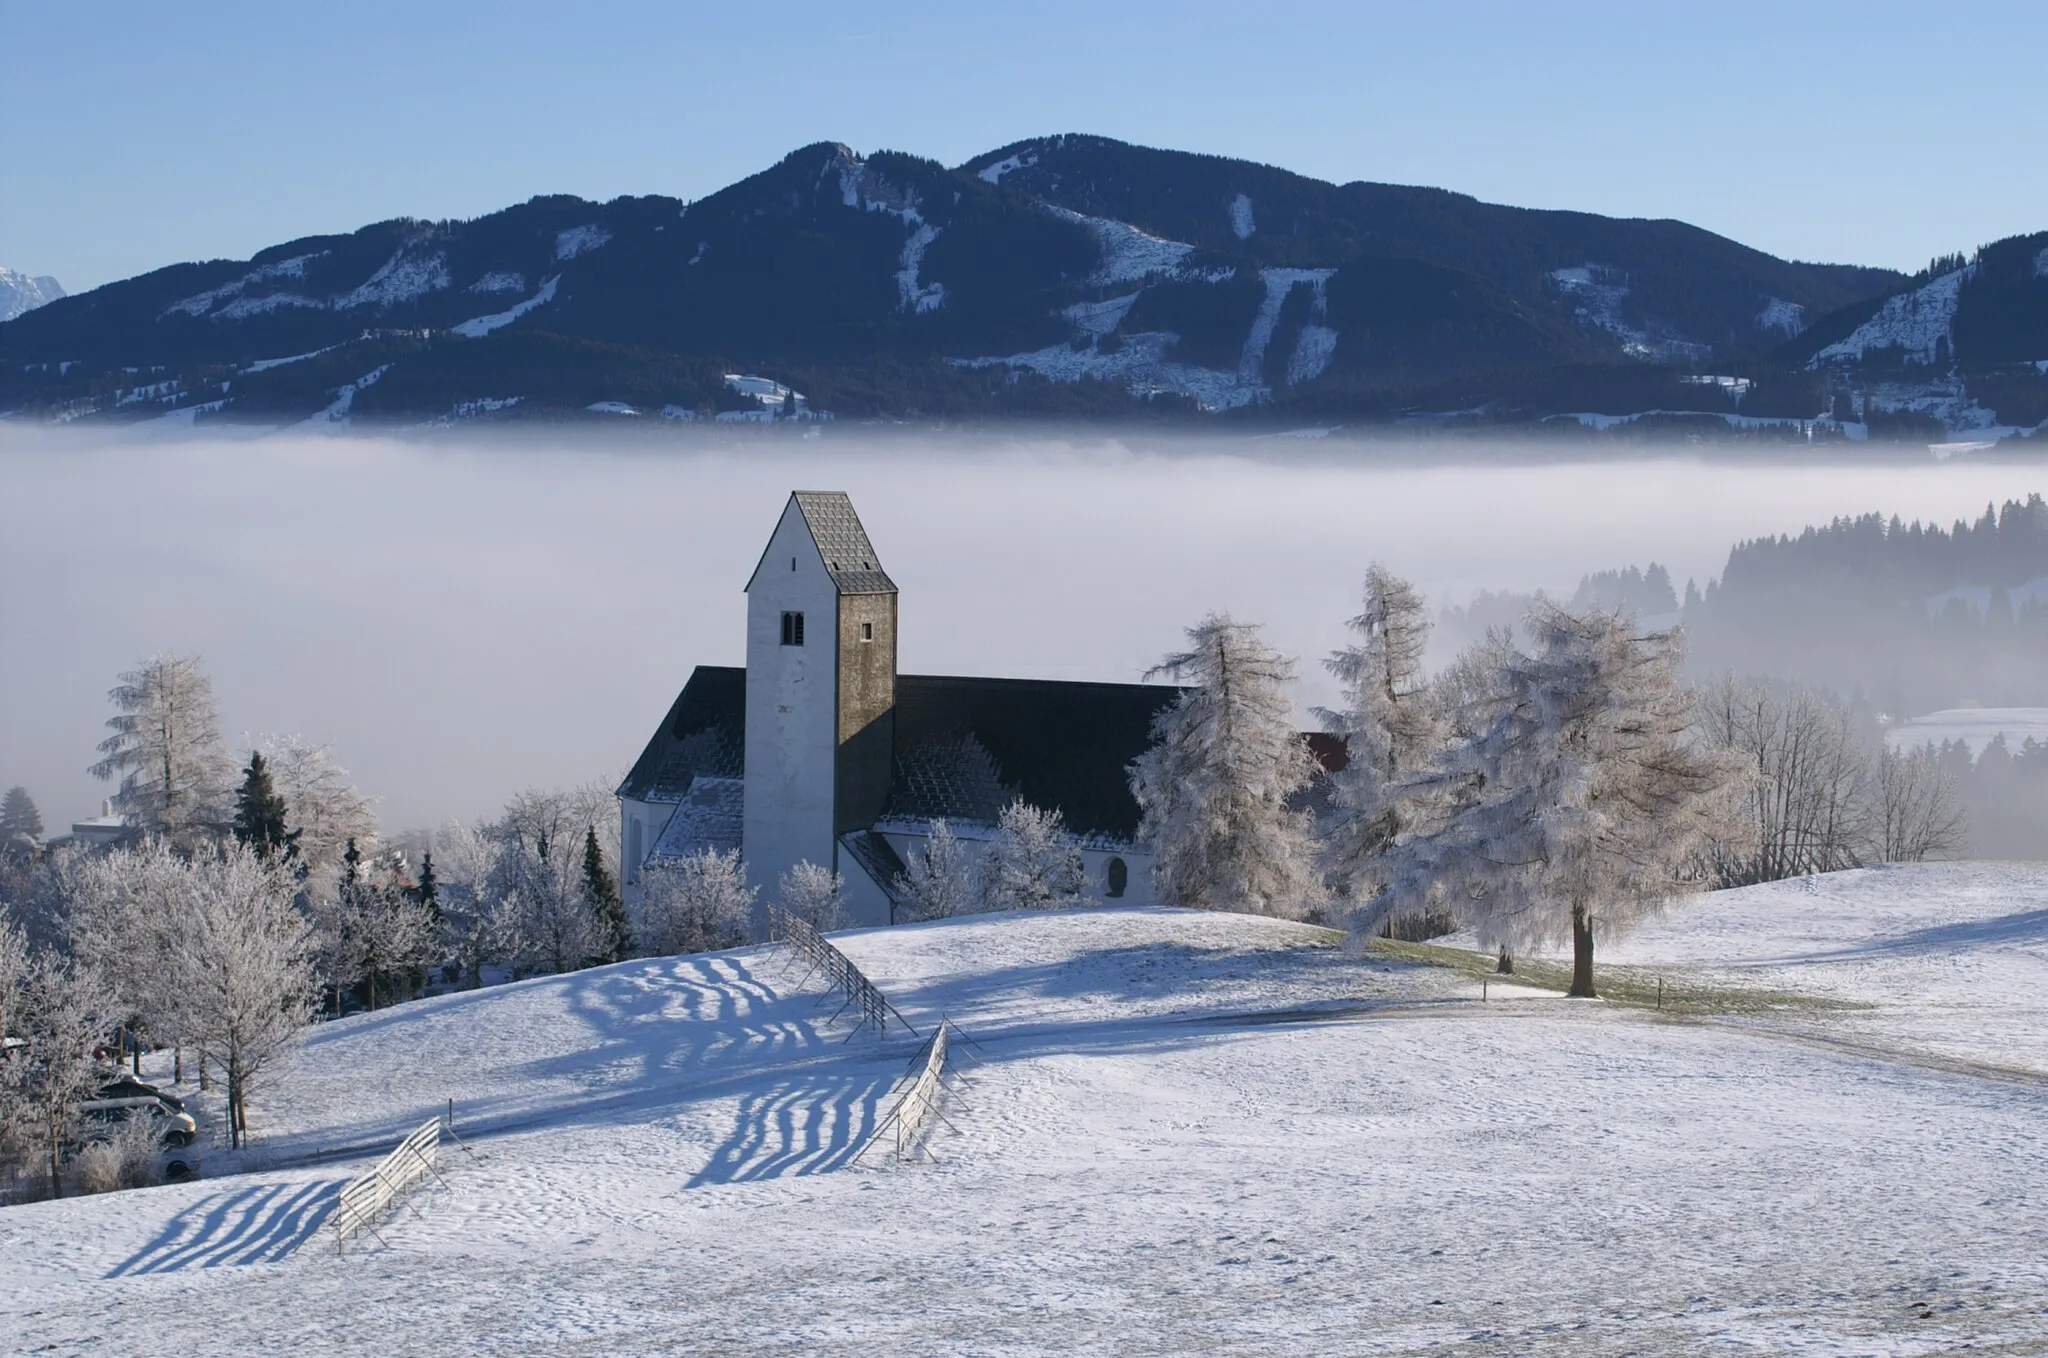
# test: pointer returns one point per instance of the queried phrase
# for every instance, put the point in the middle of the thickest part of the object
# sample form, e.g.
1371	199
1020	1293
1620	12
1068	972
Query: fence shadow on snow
259	1224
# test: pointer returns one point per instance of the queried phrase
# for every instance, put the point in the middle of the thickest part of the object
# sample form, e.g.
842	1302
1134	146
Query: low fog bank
462	619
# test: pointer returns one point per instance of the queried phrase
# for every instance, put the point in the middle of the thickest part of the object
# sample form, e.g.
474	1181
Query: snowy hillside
20	293
1186	1133
1071	276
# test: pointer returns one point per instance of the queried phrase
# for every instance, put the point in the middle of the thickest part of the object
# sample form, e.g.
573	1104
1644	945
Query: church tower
821	688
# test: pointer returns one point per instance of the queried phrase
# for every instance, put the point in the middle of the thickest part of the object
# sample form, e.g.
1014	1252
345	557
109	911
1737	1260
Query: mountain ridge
1074	275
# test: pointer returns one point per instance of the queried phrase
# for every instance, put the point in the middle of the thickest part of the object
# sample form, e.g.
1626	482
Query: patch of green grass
1674	991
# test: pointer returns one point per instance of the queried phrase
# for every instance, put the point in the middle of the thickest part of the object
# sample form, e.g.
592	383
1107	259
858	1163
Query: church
819	750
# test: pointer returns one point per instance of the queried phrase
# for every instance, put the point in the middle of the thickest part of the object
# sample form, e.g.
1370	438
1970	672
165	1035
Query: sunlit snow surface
1156	1153
1915	323
1974	726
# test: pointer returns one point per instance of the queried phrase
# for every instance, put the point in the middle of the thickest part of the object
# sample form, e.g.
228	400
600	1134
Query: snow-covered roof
708	817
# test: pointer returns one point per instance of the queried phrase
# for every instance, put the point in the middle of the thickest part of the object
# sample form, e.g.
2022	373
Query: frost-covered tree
1032	864
538	872
601	894
697	904
1214	791
322	806
815	894
64	1010
243	960
1588	800
13	966
174	773
124	911
479	924
1916	815
943	877
260	816
1391	726
19	819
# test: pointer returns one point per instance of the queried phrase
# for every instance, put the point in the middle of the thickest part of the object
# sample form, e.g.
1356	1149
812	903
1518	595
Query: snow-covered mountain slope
907	285
1155	1151
20	293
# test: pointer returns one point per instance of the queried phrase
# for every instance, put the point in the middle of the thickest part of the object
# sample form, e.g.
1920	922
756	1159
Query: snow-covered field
1188	1133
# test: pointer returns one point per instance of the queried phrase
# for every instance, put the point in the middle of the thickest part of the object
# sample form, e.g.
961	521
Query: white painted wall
651	818
792	710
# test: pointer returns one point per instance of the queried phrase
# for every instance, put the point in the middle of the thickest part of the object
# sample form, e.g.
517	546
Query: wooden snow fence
800	937
364	1199
917	1108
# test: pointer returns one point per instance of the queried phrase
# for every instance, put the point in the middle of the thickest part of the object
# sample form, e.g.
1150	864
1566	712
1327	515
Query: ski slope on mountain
1185	1133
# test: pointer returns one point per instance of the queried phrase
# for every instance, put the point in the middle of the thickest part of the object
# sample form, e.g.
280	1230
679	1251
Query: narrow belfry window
1118	877
792	629
867	631
792	563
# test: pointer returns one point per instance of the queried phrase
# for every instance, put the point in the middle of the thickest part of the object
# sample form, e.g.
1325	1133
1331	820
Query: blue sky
133	136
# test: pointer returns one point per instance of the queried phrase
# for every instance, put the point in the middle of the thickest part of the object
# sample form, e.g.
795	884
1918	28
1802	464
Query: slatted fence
802	938
364	1199
916	1110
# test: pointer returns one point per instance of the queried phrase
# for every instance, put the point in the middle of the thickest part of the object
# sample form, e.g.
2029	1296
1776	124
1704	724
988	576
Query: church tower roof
841	542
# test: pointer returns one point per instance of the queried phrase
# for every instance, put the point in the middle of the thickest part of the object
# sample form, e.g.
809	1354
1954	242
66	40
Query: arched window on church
1117	878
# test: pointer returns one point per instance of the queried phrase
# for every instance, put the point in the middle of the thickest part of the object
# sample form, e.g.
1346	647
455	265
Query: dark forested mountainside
1914	617
1067	275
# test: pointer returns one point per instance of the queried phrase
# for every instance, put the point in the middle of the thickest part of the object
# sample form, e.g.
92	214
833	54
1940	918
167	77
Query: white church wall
792	710
640	827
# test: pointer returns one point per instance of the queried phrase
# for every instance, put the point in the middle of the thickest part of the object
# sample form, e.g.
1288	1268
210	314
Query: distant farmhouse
820	750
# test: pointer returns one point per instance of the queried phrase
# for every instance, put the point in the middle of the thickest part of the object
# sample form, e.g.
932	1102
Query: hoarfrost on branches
1589	798
701	903
1391	727
814	894
175	774
321	804
1215	790
1032	864
943	877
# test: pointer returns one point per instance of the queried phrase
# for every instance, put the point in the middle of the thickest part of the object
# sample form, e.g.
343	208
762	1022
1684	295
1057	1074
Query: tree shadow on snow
2028	926
259	1224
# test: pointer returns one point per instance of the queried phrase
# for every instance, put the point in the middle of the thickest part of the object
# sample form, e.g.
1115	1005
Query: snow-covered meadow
1186	1133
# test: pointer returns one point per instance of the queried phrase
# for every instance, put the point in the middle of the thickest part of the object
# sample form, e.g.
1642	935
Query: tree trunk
178	1064
1582	955
204	1083
1506	965
56	1168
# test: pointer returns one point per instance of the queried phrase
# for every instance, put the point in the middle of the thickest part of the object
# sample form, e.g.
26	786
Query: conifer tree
260	814
1589	798
427	891
19	817
1215	787
166	751
601	890
1389	724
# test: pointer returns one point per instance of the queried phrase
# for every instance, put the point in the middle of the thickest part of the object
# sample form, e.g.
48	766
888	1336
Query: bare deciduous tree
1916	815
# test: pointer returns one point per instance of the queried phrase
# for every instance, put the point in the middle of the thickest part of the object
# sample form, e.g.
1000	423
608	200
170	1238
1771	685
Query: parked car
128	1087
174	1127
